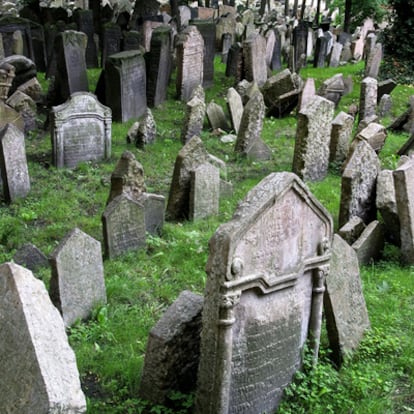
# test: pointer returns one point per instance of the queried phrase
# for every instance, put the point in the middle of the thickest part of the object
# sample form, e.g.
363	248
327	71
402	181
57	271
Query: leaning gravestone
254	55
80	130
13	164
235	107
125	85
368	98
30	257
344	303
38	367
195	113
77	284
263	297
313	135
340	137
123	226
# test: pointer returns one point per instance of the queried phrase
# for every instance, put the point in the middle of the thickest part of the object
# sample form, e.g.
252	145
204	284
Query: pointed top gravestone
235	107
77	284
38	367
263	297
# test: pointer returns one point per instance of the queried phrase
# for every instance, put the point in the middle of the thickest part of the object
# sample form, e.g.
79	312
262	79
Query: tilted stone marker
313	135
80	130
77	284
340	137
173	348
235	107
345	309
370	244
38	367
13	164
368	98
352	229
375	134
30	257
263	297
216	117
147	130
254	54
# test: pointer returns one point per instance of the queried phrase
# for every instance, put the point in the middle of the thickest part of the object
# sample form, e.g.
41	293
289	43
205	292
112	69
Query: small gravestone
375	134
235	107
85	24
254	55
123	226
190	62
13	164
345	309
358	183
204	192
374	61
147	130
368	98
321	50
131	40
333	89
335	55
194	119
307	93
216	117
313	134
81	131
38	366
30	257
370	244
385	105
26	107
77	284
263	297
188	159
125	85
154	206
404	183
340	137
173	349
385	87
352	229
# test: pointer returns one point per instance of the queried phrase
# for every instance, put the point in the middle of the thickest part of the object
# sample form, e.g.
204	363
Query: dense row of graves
273	269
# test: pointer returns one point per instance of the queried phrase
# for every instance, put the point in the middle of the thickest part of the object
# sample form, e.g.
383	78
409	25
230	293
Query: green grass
140	285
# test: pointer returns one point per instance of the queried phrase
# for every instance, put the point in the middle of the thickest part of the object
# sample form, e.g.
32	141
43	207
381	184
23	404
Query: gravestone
71	75
147	130
26	107
77	284
131	40
307	94
404	183
384	105
25	69
340	137
80	131
15	178
227	41
263	297
249	142
313	135
225	24
368	98
191	155
375	134
352	229
111	41
84	22
125	85
9	26
235	108
194	119
172	352
147	29
333	88
123	226
159	63
370	244
344	303
335	55
204	191
358	183
385	87
39	372
274	55
300	39
216	117
254	59
374	61
234	66
320	50
30	257
8	115
190	62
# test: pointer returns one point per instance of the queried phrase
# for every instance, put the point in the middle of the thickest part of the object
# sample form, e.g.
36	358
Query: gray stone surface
375	134
368	98
370	244
173	348
385	105
254	55
265	277
340	137
124	226
235	107
147	130
307	93
77	284
216	117
335	56
313	134
38	367
81	131
8	115
154	206
333	88
352	229
26	107
194	119
358	183
30	257
345	309
373	61
13	164
204	192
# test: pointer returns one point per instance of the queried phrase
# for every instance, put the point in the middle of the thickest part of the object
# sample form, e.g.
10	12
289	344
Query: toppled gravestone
263	297
39	373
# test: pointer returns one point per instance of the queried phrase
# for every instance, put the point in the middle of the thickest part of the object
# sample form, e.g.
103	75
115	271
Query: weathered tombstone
7	74
194	119
13	164
154	210
333	88
71	75
340	137
225	24
125	85
227	41
352	229
216	117
344	303
385	87
313	135
335	56
204	191
8	115
30	257
265	283
368	98
111	41
147	130
249	142
39	372
384	105
358	183
159	64
26	107
25	69
188	159
375	134
370	244
80	131
300	39
131	40
320	50
172	352
190	62
254	55
77	284
307	94
374	61
275	61
404	182
235	107
234	66
11	28
147	29
84	22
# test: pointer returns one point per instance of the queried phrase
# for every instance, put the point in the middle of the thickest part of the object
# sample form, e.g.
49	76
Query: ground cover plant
110	347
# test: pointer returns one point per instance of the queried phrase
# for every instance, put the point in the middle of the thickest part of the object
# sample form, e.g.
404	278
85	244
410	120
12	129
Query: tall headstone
358	183
335	56
77	284
254	55
125	85
374	61
235	107
39	372
320	51
13	164
190	62
263	297
313	135
300	39
340	137
111	41
234	66
368	98
84	22
80	131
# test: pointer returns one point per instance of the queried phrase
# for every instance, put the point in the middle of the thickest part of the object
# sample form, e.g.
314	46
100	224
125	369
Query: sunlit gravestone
263	297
